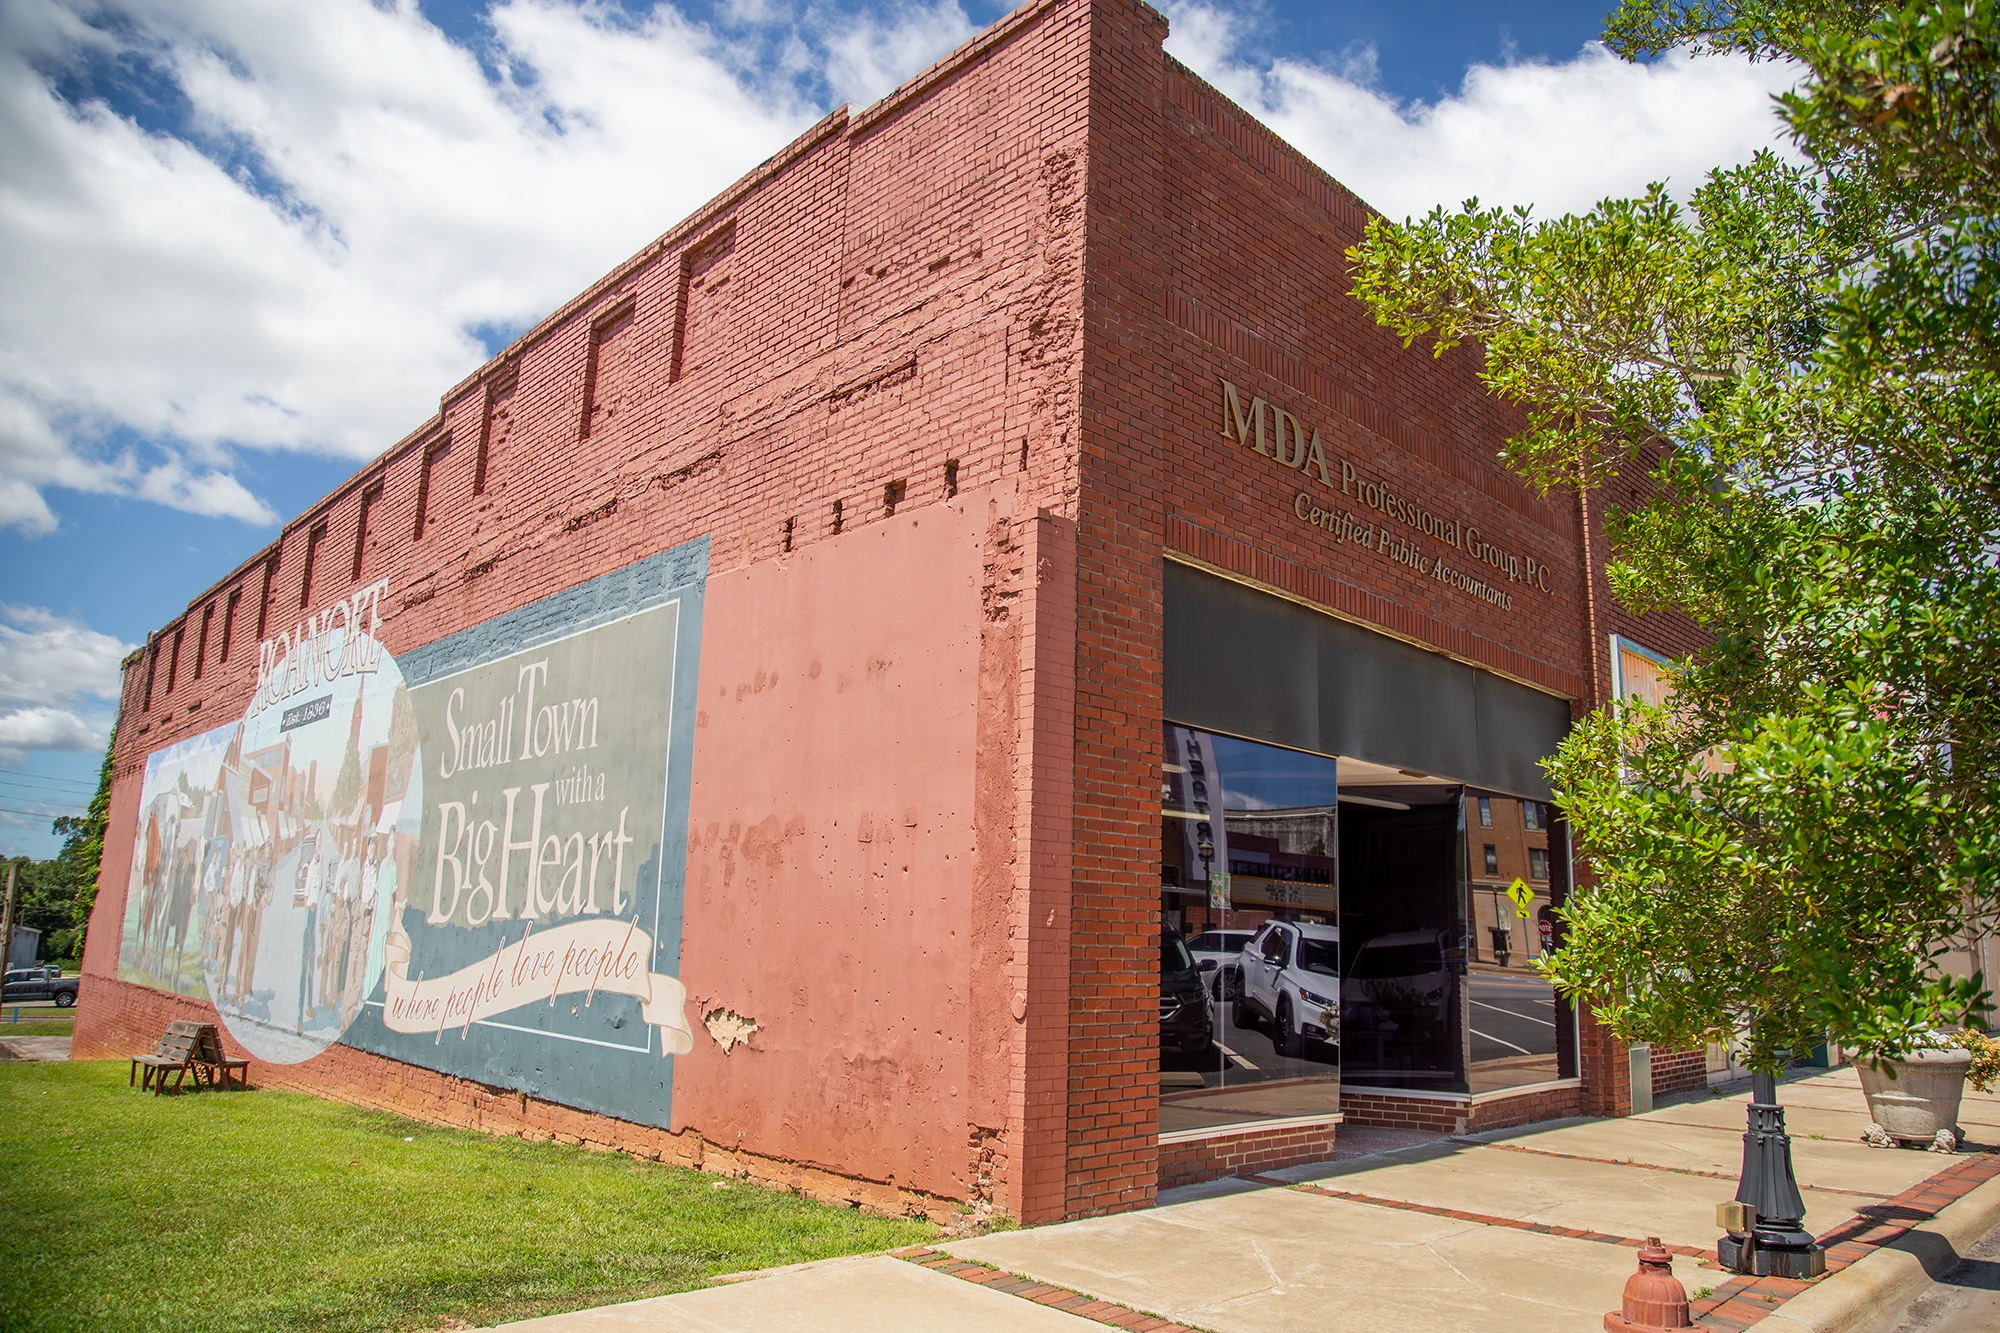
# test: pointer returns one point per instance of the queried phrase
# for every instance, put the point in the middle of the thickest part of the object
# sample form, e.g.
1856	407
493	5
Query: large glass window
1326	920
1249	848
1518	1031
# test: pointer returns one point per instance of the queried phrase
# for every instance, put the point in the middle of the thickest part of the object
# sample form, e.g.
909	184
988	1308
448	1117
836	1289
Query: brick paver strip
1743	1301
1487	1219
1676	1170
1056	1298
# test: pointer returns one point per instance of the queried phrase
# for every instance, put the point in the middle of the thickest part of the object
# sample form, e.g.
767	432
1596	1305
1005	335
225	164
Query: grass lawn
38	1023
274	1210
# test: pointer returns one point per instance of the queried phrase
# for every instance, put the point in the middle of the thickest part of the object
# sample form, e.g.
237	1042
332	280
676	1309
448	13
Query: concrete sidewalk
1522	1229
33	1048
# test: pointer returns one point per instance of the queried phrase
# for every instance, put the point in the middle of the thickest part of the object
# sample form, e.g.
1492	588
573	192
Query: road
1512	1015
1247	1055
1963	1300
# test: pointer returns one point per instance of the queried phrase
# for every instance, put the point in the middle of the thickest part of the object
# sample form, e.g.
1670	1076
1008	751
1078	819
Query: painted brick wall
131	1018
878	324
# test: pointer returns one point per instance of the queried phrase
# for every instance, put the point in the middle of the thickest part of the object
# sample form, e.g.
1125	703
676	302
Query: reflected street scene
1329	921
1251	933
1513	1024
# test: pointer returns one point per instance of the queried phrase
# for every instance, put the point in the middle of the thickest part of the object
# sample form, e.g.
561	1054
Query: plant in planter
1913	1098
1985	1069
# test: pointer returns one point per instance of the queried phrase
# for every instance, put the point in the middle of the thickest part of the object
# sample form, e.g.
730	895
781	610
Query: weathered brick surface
1028	270
130	1019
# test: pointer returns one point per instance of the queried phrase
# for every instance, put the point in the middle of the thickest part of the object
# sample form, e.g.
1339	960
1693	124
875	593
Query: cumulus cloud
48	729
1554	136
352	200
58	677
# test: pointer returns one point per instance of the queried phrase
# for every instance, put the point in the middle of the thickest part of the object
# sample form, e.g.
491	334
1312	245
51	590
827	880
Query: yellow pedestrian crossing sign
1521	895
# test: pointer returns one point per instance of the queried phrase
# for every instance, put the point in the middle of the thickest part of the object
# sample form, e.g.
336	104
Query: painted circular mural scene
275	853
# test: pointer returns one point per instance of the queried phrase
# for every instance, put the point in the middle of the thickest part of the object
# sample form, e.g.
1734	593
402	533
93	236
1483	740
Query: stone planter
1914	1101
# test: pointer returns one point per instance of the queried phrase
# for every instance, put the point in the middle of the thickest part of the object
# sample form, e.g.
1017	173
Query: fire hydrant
1655	1300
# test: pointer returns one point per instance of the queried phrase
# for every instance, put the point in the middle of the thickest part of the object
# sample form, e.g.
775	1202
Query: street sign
1521	895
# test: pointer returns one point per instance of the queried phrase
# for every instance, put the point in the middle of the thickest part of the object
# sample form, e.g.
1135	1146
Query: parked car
1291	979
1216	954
1403	978
1185	1024
40	983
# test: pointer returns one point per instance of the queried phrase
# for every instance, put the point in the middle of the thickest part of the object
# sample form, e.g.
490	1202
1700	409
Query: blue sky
247	242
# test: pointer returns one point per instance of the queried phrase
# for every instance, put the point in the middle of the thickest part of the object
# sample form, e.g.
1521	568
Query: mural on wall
468	857
158	945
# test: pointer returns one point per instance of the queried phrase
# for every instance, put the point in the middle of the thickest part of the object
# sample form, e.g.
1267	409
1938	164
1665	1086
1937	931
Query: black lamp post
1766	1224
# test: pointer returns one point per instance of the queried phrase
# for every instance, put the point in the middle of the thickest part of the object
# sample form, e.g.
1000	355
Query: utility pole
7	915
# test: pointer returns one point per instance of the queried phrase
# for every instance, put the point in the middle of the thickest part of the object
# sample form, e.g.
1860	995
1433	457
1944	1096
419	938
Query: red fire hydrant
1655	1300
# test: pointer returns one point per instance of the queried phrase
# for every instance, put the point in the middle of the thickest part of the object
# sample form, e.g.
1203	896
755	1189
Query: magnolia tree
1804	360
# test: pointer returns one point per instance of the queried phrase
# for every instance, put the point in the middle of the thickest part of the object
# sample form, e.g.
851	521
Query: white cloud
1558	137
49	729
868	57
355	197
57	676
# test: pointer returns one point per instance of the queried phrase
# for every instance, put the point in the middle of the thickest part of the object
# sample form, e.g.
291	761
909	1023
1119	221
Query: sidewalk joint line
1656	1166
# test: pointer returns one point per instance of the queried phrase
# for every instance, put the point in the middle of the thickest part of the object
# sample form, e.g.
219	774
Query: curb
1857	1295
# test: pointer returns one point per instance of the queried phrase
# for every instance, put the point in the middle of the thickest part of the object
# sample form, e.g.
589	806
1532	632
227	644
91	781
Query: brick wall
1030	268
878	325
1461	1115
1679	1071
1214	1156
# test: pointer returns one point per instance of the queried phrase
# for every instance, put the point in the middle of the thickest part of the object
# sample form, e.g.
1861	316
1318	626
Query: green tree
73	872
1804	361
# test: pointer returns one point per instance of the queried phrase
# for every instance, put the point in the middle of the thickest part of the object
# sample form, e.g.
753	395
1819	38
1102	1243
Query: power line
51	791
46	777
35	789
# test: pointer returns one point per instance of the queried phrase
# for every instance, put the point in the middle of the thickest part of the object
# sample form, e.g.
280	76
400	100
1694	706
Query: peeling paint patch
728	1027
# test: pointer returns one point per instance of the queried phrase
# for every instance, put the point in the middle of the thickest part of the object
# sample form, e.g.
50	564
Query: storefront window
1249	847
1328	920
1515	1024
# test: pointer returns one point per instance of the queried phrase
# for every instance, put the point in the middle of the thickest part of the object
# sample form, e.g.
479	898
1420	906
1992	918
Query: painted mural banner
468	857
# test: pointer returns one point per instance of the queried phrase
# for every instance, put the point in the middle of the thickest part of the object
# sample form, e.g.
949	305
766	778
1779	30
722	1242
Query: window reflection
1515	1023
1326	921
1249	845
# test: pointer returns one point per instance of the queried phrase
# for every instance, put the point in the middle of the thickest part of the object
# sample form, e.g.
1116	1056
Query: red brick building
918	542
